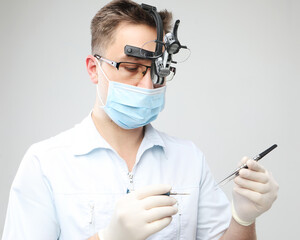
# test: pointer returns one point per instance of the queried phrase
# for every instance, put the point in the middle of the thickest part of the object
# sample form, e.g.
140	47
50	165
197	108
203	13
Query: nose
146	81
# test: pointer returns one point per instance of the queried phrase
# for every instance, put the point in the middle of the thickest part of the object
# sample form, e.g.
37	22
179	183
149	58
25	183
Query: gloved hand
254	192
140	214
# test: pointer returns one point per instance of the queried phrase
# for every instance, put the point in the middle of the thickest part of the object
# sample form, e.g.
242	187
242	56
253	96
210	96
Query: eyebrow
125	58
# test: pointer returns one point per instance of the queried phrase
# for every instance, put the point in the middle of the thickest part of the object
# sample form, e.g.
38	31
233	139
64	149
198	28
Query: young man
108	177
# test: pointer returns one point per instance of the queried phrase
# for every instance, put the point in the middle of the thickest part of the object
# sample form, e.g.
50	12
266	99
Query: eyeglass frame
117	64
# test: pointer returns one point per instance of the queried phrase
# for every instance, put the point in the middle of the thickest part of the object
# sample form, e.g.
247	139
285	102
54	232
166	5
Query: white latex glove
254	192
140	214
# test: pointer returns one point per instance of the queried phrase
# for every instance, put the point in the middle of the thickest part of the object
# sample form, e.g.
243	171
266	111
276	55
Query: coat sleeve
214	213
31	213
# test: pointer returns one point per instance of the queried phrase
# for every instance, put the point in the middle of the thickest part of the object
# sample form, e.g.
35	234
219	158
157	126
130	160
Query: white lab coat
67	186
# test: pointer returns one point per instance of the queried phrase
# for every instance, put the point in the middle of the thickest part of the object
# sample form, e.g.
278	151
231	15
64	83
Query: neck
125	142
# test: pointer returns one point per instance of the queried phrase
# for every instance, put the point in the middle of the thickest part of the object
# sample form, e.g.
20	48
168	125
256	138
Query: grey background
235	96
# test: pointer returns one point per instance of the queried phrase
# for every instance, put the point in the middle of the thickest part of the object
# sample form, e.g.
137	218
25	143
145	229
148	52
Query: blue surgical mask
130	106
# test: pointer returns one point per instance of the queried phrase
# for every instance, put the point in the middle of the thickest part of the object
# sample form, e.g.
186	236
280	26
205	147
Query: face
125	34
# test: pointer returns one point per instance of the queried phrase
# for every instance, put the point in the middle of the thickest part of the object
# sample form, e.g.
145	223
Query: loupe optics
165	49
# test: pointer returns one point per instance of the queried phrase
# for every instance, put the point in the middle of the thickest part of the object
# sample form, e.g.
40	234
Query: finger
273	181
154	214
243	161
253	196
158	201
255	166
152	190
158	225
252	185
254	176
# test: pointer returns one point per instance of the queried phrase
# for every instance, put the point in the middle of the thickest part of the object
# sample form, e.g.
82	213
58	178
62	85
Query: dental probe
175	193
236	172
167	193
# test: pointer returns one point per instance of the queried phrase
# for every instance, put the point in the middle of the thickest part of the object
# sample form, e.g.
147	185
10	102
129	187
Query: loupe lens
148	49
182	55
171	75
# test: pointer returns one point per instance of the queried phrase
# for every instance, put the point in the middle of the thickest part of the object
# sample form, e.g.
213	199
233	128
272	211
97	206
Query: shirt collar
87	138
152	137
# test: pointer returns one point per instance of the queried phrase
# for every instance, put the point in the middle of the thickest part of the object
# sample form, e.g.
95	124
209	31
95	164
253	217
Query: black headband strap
142	53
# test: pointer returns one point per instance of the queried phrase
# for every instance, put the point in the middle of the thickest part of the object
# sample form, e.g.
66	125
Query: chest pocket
101	209
173	230
84	214
184	223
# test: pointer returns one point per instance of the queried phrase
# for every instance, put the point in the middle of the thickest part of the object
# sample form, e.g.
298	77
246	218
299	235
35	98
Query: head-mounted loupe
165	47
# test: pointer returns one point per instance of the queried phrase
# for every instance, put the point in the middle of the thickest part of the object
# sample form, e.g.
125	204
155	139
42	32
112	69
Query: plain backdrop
237	94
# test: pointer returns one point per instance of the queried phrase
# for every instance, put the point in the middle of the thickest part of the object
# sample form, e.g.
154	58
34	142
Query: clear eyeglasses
131	71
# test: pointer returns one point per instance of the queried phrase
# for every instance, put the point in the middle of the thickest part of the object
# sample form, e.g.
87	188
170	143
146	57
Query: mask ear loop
99	65
103	105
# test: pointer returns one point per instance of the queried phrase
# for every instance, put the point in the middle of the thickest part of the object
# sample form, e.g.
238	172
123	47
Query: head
121	23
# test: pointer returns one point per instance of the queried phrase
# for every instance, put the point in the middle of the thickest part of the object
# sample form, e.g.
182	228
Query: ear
91	67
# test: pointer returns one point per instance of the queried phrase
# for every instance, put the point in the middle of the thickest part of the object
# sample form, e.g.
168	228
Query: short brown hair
108	18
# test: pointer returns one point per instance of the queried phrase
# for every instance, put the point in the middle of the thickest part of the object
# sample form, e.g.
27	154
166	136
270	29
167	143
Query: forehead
130	34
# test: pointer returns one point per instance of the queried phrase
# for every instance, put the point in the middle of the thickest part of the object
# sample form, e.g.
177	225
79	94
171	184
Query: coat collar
87	138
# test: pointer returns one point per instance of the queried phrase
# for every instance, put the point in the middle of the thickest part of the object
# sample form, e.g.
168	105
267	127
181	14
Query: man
108	178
